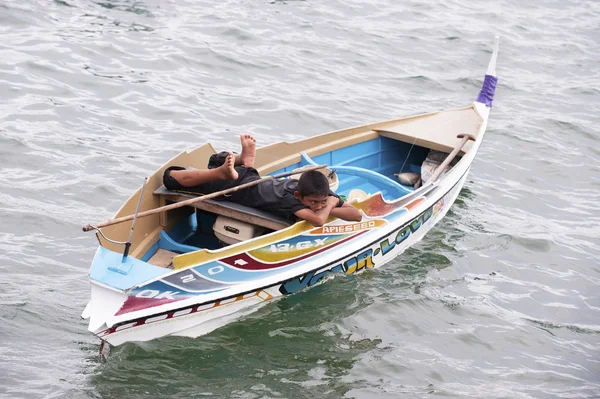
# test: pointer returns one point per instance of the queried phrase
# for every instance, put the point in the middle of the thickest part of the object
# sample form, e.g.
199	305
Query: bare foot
248	150
227	170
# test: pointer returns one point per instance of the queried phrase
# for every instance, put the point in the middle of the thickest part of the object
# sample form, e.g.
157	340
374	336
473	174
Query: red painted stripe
254	264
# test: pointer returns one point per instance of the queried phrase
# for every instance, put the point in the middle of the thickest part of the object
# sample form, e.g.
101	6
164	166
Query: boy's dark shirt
275	196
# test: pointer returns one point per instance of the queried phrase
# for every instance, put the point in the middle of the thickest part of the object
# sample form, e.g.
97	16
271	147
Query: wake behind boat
187	265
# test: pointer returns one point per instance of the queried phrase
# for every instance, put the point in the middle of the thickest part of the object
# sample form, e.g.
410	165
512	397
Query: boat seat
163	258
227	208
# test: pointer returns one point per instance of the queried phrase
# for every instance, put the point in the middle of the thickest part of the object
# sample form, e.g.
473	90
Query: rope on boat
408	155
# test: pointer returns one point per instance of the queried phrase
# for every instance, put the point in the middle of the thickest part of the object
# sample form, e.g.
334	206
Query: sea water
500	300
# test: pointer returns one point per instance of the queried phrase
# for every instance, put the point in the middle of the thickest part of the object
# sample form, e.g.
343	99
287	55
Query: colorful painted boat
179	279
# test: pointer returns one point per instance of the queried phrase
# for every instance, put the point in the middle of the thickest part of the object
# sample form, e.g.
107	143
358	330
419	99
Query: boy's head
313	190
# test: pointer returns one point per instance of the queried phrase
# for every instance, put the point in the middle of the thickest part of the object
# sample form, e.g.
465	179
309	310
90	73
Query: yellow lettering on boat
349	228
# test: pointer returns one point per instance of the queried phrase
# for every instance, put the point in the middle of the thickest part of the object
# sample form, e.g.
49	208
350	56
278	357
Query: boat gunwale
300	227
415	194
451	175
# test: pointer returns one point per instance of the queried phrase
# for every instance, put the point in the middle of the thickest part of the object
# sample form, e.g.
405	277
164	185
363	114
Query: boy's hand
346	212
333	201
318	218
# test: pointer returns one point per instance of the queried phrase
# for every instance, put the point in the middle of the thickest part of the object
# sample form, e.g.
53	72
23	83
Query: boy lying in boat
308	198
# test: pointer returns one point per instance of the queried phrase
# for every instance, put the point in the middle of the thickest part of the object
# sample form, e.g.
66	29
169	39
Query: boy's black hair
313	183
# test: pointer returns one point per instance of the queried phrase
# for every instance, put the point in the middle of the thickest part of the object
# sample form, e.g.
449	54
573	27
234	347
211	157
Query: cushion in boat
408	178
431	163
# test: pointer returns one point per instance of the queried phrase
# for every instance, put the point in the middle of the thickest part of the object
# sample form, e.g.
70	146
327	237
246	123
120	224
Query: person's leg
246	158
218	159
191	178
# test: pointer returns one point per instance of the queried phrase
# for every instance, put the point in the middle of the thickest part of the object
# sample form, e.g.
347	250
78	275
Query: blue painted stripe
227	274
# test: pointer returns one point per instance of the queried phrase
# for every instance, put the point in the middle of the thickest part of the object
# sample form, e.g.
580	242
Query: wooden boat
178	277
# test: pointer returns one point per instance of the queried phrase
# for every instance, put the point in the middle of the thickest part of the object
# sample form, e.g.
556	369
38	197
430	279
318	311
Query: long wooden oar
193	200
449	158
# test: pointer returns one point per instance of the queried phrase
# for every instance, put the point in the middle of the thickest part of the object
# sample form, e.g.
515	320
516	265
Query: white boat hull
196	320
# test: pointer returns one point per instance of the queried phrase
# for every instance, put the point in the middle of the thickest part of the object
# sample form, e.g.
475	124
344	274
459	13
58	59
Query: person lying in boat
308	198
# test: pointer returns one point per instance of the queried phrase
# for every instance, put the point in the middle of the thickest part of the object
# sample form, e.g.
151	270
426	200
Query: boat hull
133	300
372	248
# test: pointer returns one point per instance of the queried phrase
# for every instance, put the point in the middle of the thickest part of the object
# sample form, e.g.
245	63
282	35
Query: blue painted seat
166	242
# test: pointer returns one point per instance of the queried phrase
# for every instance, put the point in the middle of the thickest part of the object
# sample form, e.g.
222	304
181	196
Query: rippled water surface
501	299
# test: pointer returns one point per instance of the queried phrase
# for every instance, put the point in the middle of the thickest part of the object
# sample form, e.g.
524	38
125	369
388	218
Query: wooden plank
437	131
162	217
162	258
215	207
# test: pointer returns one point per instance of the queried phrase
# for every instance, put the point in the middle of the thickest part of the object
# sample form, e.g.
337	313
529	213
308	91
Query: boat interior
365	161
